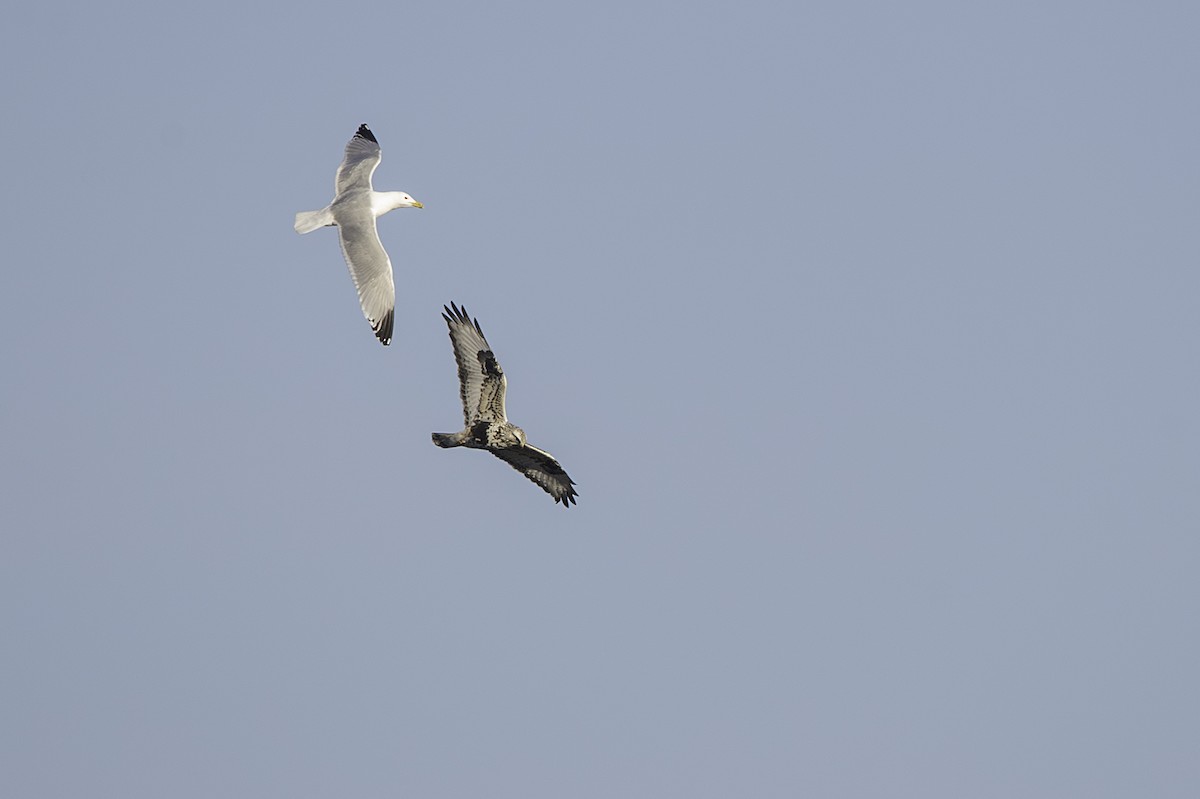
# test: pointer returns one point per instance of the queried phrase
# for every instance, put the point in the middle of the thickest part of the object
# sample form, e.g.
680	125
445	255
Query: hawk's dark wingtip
365	133
568	499
458	314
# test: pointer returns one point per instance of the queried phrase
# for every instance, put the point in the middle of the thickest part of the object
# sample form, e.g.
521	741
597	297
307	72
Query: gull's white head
384	201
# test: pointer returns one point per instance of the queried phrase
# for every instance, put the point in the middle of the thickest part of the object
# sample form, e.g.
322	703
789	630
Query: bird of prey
354	209
482	385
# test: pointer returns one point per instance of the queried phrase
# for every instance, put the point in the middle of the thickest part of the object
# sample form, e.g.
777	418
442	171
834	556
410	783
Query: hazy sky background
869	332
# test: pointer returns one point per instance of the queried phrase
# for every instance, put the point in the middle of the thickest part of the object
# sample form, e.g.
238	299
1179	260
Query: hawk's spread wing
362	156
481	381
540	467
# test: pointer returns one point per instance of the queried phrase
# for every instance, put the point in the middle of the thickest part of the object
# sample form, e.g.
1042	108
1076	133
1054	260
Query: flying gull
482	385
354	209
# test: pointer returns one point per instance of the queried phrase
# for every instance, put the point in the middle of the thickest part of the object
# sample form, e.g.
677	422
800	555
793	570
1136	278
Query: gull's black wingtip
365	133
383	331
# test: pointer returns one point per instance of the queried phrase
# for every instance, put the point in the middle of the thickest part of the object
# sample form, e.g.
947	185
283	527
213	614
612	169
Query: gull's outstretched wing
540	467
481	381
371	269
362	156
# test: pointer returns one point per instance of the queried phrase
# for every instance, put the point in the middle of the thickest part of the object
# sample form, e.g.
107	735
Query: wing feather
481	382
358	164
540	467
371	270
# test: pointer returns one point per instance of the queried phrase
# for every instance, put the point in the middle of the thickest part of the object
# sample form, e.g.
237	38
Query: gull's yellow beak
417	204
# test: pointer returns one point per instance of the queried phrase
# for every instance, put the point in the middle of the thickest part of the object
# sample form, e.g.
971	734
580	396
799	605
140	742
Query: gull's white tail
308	221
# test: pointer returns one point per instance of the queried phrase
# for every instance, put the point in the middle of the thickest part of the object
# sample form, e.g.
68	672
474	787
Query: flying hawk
354	209
482	385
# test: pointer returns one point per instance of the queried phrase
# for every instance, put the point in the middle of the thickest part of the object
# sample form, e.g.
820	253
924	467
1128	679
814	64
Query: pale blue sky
869	332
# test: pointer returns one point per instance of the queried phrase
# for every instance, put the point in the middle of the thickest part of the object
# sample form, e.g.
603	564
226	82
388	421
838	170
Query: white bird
354	209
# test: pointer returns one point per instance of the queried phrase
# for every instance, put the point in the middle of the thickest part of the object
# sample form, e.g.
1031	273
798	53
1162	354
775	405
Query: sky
867	330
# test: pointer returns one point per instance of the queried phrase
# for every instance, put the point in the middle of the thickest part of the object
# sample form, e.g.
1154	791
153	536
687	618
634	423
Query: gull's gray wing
540	467
371	270
481	381
362	156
